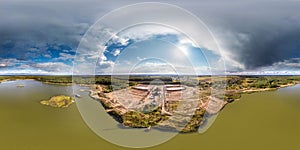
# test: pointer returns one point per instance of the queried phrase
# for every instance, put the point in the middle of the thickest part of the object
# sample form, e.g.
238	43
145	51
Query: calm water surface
260	121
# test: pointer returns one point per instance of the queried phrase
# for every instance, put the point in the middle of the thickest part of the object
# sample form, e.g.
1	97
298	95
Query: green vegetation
230	96
171	105
235	85
151	116
242	82
9	78
204	82
138	119
195	121
60	101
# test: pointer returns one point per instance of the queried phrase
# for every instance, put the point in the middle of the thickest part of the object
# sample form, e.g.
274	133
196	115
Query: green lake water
259	121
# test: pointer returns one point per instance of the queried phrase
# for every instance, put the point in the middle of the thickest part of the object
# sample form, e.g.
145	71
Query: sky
254	36
153	49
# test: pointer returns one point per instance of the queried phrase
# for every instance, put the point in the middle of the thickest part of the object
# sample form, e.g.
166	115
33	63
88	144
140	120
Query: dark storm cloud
267	47
27	25
255	33
40	24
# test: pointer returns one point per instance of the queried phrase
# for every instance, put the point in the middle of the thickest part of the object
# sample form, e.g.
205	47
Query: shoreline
7	80
118	111
251	91
45	82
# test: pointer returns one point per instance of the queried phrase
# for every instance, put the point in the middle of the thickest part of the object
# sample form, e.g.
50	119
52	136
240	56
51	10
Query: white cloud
143	32
48	68
64	24
54	67
116	52
261	72
289	63
121	40
285	67
31	72
33	49
65	56
186	41
140	59
90	49
226	41
106	64
47	56
292	64
9	62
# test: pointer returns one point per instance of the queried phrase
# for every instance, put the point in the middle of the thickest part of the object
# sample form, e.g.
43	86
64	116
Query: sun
184	50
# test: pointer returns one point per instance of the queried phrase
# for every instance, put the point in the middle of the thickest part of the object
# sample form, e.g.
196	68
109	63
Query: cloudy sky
254	36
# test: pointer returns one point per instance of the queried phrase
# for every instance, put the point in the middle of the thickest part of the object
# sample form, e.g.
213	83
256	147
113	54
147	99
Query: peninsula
178	107
138	102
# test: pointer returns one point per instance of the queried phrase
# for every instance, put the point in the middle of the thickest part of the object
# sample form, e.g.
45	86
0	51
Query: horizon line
149	75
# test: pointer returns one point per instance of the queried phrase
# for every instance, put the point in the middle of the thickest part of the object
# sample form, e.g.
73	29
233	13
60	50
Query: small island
60	101
139	102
